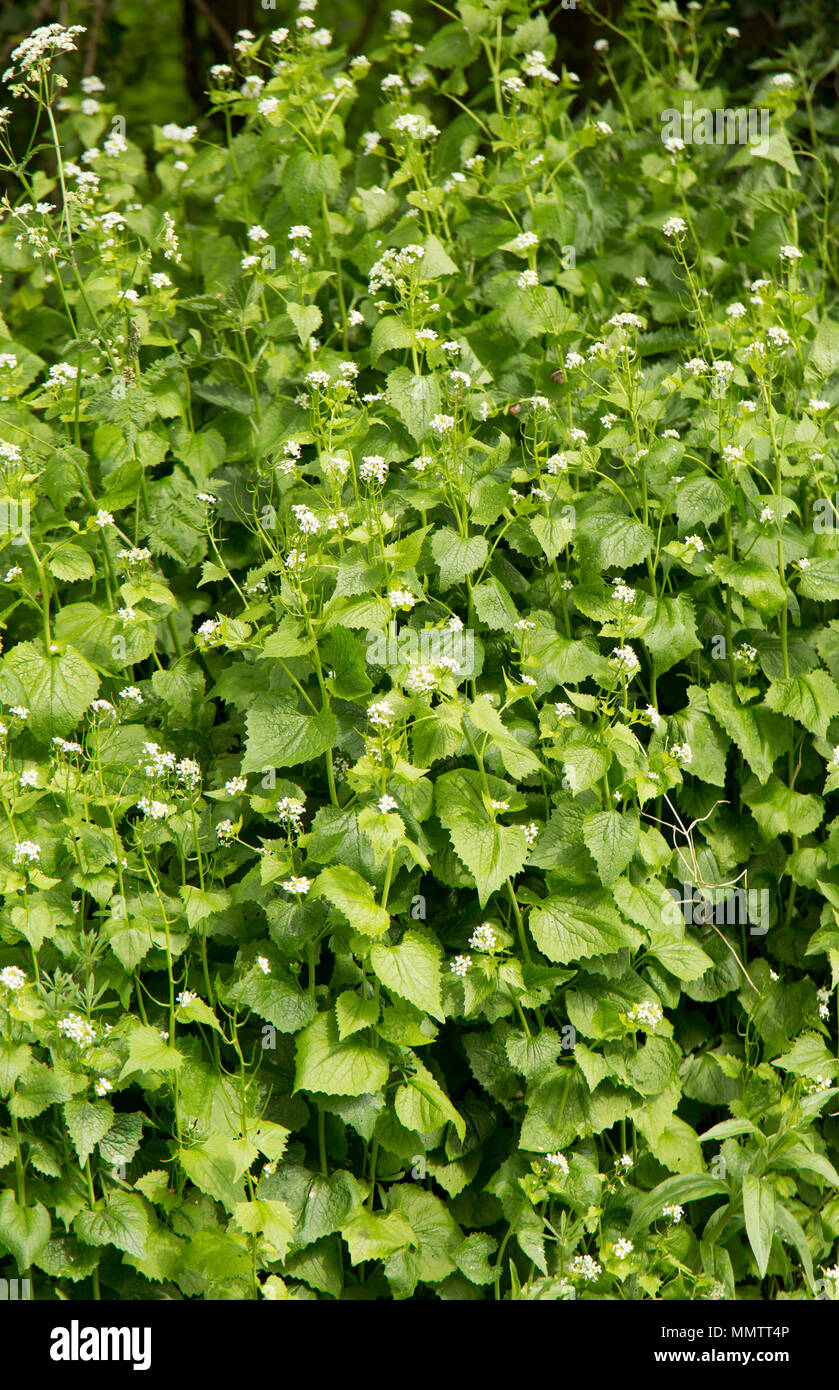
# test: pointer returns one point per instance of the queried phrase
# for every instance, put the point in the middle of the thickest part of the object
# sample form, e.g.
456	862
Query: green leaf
552	532
580	927
758	734
422	1105
610	540
416	399
120	1220
56	689
87	1122
612	839
71	563
457	556
147	1051
780	811
24	1231
354	899
689	1187
306	319
491	852
411	970
217	1166
375	1235
472	1258
671	632
759	1213
811	699
268	1218
334	1067
352	1013
755	580
279	736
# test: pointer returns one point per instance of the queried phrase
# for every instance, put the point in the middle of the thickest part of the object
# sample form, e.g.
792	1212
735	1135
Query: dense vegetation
419	700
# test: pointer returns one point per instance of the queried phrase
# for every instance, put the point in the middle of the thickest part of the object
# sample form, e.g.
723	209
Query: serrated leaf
411	969
334	1067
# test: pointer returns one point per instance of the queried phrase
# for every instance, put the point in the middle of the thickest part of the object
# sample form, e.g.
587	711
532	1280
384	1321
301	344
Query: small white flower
460	965
264	964
683	752
558	1161
103	1086
623	1248
695	543
12	977
77	1029
675	1212
645	1016
300	886
525	240
483	938
26	852
674	227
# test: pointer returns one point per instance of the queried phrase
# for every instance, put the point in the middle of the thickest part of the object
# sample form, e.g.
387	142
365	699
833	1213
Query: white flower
77	1029
528	280
187	996
290	812
683	752
784	80
525	240
103	518
622	1248
778	337
745	653
13	978
766	515
297	885
401	598
653	716
819	406
29	778
20	710
380	714
621	593
674	227
130	692
646	1015
386	803
584	1267
558	1161
483	938
26	852
442	424
675	1212
460	965
695	543
179	134
601	46
500	805
373	469
626	659
421	680
564	710
624	1162
264	964
103	1086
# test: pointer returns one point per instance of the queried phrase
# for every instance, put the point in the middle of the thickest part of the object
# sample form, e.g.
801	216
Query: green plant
420	717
